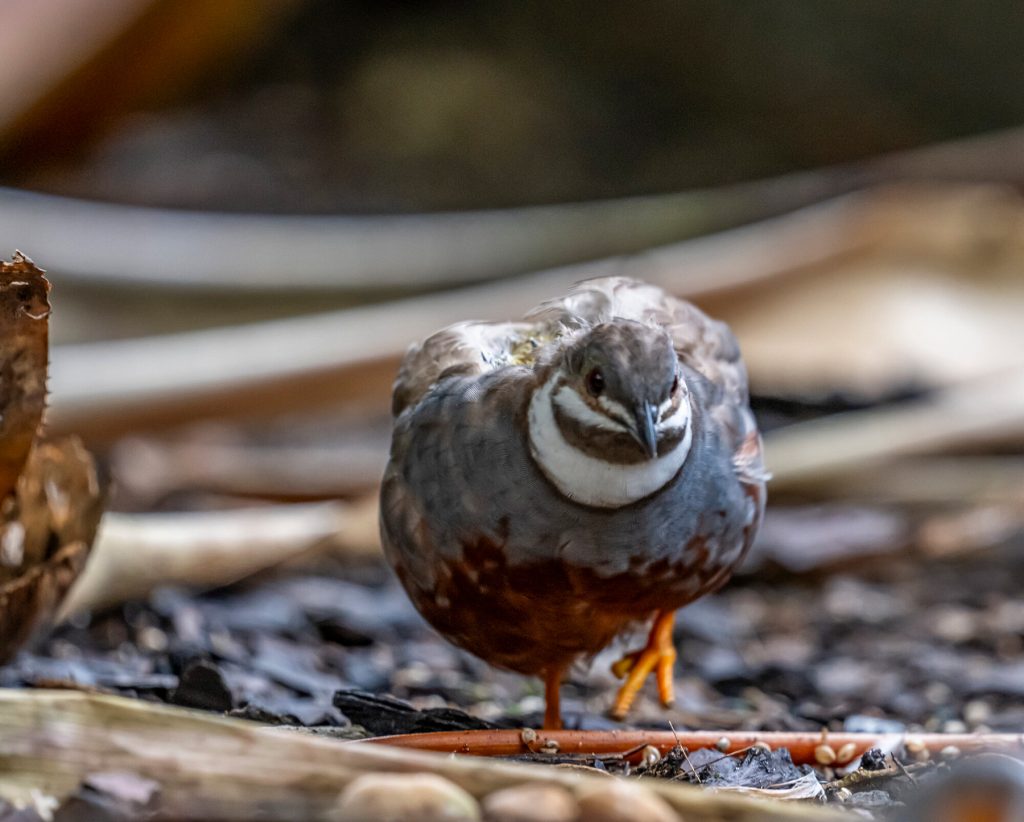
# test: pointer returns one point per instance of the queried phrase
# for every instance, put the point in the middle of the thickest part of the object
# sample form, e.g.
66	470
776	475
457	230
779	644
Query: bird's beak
646	414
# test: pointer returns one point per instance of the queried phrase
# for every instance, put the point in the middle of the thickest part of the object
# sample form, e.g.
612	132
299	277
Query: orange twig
802	746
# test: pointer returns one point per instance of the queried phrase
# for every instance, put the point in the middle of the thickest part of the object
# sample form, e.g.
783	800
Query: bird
557	481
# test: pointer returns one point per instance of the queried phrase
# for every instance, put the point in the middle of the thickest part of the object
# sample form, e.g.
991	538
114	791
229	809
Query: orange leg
659	655
552	699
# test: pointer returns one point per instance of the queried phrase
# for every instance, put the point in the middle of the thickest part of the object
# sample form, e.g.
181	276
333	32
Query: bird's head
616	398
626	376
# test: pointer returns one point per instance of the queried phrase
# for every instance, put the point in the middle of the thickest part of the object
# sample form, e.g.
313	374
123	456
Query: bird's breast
533	615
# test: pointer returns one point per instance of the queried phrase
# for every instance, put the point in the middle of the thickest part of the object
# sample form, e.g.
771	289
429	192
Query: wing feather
465	348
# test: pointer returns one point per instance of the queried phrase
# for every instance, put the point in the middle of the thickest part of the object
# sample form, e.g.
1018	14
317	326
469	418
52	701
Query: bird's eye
595	382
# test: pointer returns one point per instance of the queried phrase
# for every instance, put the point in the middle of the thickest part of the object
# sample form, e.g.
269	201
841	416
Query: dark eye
595	382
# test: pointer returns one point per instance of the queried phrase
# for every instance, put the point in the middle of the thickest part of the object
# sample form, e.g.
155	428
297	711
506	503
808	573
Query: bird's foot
659	655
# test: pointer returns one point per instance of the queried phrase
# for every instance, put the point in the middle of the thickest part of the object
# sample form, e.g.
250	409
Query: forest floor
892	643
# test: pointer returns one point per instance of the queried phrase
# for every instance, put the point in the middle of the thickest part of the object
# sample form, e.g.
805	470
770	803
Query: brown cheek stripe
609	446
668	442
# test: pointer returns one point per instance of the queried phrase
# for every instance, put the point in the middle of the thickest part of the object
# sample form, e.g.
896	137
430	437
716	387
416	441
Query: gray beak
646	415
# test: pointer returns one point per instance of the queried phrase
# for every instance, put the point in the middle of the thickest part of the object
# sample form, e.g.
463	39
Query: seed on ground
824	755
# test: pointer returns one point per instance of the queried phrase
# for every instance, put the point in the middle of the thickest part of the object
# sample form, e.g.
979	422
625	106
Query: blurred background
303	107
248	210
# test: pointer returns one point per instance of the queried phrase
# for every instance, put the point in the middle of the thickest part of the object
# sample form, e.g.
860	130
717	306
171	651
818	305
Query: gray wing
705	345
467	349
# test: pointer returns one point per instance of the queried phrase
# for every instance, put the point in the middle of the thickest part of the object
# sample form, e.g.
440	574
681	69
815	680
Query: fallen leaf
54	513
24	313
50	500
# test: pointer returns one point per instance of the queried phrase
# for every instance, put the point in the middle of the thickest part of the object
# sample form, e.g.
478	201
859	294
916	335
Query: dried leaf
806	787
24	312
863	296
934	300
987	411
50	500
137	552
46	533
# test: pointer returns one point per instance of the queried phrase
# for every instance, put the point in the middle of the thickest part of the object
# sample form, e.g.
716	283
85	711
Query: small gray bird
554	481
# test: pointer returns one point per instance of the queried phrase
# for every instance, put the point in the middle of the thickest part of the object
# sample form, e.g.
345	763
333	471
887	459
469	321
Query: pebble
955	624
531	803
949	752
871	799
620	800
861	723
153	639
917	750
977	712
723	744
393	797
413	675
938	693
531	704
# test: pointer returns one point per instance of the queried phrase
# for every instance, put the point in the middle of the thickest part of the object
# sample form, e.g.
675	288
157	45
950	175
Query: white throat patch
593	481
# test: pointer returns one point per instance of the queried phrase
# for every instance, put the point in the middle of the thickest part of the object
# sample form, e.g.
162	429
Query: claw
659	656
626	664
